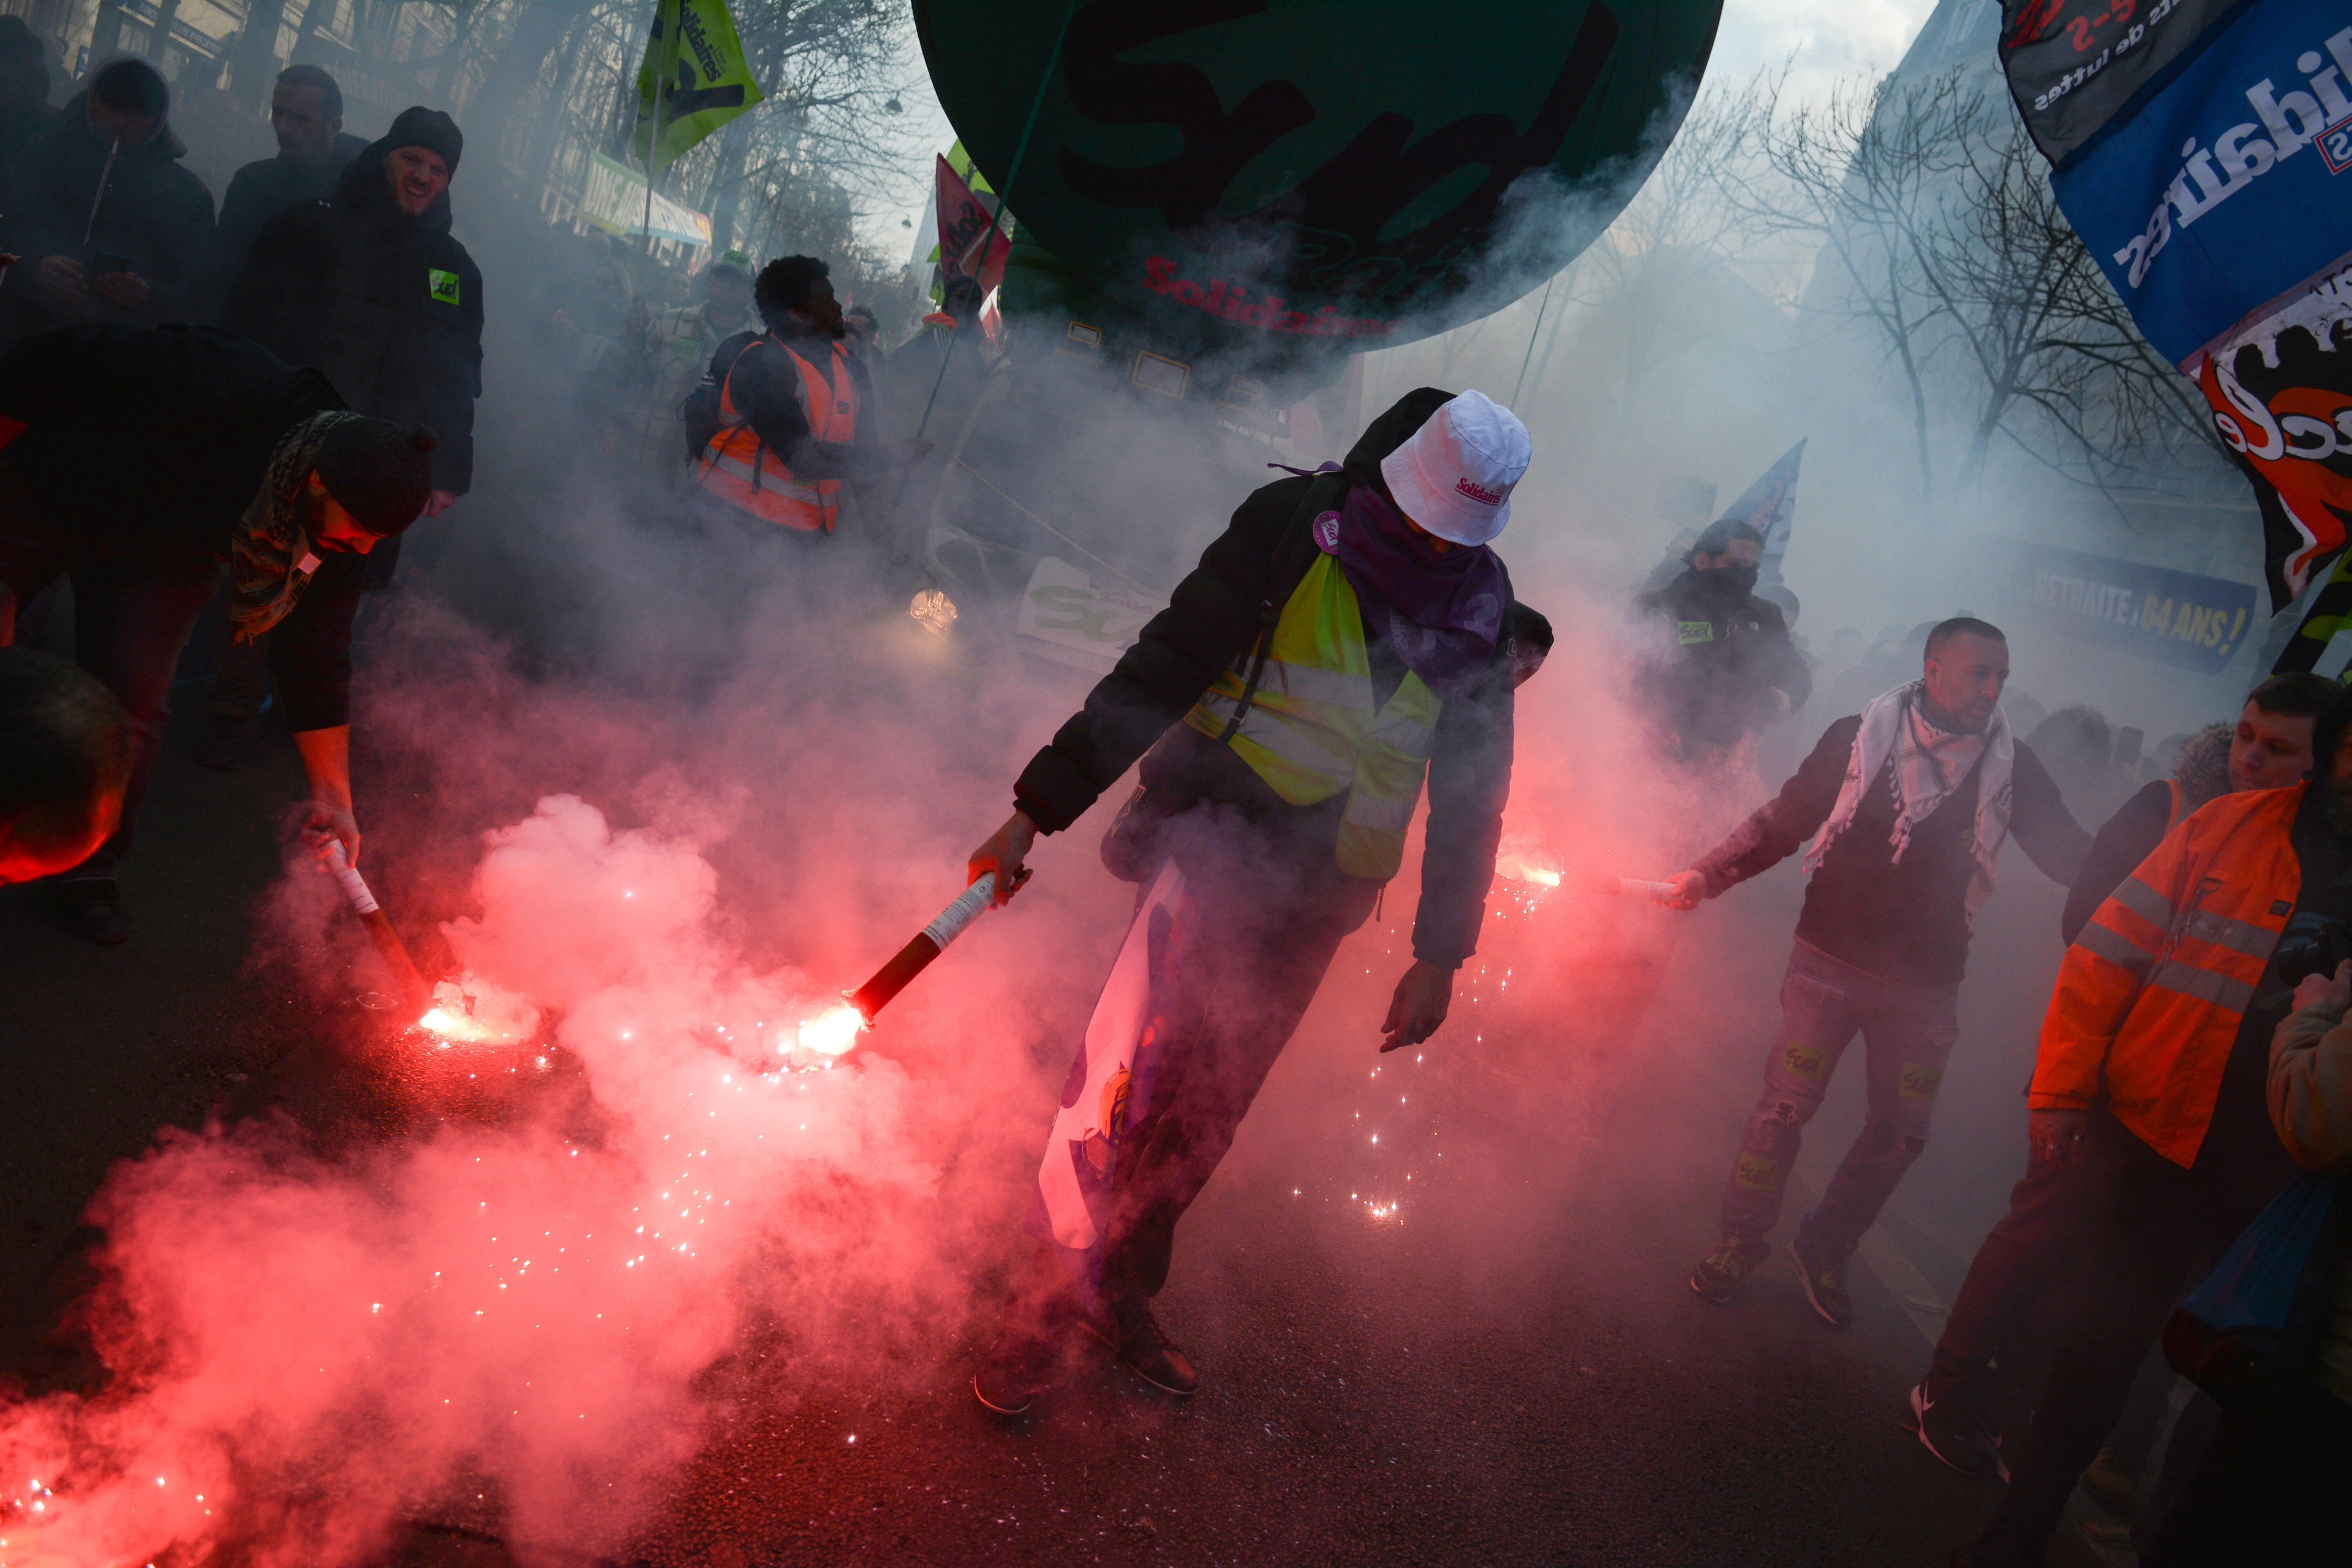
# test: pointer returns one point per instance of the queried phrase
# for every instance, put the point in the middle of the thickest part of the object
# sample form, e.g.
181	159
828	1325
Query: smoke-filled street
1284	782
1550	1394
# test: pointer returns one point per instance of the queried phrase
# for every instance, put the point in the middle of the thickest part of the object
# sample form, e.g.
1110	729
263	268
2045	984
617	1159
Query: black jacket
154	214
267	187
150	442
1212	622
1905	922
767	390
1730	658
388	307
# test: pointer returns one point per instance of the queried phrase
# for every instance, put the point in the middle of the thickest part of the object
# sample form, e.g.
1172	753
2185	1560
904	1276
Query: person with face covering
146	464
1732	669
1351	630
109	226
1908	805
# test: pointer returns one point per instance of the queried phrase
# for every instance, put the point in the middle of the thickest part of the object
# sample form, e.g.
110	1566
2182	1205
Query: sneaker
1958	1439
1018	1368
91	908
1144	1347
1721	1272
1825	1288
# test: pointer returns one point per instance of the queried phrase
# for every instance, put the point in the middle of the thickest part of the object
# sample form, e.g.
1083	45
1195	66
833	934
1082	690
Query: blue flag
1768	507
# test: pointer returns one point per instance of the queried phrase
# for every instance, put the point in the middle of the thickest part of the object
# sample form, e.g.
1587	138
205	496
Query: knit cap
379	472
418	126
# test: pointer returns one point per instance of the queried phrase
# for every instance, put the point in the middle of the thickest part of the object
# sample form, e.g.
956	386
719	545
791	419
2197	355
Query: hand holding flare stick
834	1031
415	996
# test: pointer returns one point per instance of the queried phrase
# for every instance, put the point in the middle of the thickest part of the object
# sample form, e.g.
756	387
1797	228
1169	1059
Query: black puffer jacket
267	187
1212	622
1732	652
154	214
388	307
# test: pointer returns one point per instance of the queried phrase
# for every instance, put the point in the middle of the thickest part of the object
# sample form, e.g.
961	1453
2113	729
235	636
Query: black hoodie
154	214
387	306
1212	623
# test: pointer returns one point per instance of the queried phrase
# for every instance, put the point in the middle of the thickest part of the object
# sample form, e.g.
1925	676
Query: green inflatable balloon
1282	179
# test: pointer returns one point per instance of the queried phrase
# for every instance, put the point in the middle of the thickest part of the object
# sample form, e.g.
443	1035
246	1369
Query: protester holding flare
1350	630
141	462
1913	799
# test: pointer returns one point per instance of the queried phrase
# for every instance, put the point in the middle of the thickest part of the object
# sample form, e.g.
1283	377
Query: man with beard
1913	799
1348	631
2014	1281
1734	668
2151	1072
369	288
137	461
788	408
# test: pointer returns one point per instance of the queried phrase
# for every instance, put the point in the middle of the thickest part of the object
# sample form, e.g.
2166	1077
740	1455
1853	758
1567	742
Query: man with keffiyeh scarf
1349	627
137	462
1912	800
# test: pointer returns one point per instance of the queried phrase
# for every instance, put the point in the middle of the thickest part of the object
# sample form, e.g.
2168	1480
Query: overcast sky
1824	40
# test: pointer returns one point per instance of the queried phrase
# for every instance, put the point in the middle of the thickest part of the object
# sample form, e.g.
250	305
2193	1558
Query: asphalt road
1510	1369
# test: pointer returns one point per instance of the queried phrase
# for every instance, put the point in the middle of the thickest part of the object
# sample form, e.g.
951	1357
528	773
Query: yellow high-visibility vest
1311	730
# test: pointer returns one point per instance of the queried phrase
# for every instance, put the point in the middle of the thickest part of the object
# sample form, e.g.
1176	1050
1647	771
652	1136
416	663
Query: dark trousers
132	612
2151	1221
2271	1489
1263	916
2016	1285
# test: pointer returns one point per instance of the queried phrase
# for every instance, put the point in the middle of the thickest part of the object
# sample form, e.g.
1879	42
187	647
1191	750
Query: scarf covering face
1929	764
272	538
1441	611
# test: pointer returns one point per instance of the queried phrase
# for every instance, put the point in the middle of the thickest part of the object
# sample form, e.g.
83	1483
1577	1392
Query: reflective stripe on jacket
739	468
1311	730
2150	996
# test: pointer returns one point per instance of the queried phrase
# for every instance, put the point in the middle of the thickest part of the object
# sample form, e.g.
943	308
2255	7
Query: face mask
1737	581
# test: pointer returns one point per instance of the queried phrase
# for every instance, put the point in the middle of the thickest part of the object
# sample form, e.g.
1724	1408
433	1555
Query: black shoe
91	908
1145	1348
1720	1273
222	745
1825	1286
1954	1437
1018	1368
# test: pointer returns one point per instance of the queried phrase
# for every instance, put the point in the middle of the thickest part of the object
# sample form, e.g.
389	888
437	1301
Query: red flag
964	223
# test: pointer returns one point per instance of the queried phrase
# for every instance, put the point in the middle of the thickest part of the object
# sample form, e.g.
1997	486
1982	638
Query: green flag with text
694	80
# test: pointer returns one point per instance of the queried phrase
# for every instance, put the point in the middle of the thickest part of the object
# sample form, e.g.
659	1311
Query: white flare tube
967	907
1634	887
355	886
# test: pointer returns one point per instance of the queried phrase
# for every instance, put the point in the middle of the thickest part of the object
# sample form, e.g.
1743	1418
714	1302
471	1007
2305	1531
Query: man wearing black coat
1346	629
306	114
107	223
1734	668
135	461
371	289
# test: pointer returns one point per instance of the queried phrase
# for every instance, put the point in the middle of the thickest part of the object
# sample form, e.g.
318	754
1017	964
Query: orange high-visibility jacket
2150	996
739	468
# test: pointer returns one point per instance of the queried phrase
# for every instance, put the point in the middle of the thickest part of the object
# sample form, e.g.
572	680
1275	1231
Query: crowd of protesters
251	406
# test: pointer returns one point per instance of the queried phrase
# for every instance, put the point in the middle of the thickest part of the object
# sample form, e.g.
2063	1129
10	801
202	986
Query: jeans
133	609
1908	1031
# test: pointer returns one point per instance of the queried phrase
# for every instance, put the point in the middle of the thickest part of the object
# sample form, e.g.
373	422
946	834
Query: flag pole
1532	334
653	148
1003	201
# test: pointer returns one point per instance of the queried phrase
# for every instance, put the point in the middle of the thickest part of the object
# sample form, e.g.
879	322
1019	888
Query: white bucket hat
1455	476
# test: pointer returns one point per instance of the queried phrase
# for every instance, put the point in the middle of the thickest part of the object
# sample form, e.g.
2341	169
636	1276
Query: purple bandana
1441	611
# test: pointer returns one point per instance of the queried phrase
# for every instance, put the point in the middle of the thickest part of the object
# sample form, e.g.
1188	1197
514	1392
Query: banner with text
2180	618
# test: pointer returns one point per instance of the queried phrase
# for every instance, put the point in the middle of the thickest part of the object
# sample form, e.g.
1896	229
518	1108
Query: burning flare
832	1032
473	1012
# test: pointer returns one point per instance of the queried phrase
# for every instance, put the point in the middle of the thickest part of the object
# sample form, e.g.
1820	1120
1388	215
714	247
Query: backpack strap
1294	553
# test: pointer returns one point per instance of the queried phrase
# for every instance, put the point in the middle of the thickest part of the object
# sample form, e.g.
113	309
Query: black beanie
421	127
379	472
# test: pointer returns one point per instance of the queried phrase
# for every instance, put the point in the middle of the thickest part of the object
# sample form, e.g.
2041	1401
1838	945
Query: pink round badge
1327	532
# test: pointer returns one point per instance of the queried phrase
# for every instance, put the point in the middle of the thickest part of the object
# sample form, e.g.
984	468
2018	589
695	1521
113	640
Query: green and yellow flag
695	79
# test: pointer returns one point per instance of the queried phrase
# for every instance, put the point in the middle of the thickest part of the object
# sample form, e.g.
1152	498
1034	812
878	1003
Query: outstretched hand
1004	854
1422	996
1686	891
